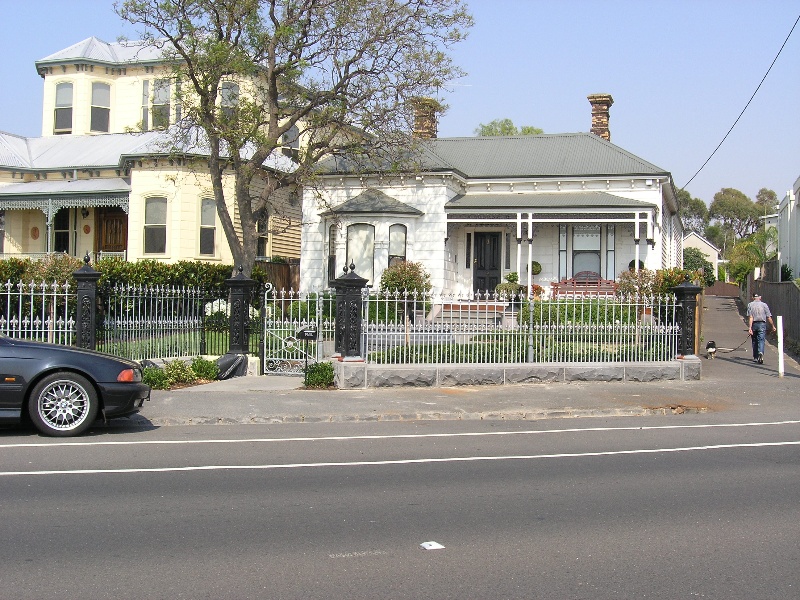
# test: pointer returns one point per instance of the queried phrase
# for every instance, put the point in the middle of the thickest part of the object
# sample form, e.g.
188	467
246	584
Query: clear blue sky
680	72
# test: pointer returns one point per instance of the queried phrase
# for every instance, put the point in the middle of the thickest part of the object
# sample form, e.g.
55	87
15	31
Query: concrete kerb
360	375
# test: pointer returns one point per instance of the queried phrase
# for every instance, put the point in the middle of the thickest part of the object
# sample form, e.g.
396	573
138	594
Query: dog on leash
711	349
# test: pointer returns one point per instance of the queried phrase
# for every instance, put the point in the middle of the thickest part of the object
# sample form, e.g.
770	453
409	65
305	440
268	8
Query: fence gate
298	330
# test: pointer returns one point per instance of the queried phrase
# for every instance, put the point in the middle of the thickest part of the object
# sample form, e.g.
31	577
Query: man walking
759	315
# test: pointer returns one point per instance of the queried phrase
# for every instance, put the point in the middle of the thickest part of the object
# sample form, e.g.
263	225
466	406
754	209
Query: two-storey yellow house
104	176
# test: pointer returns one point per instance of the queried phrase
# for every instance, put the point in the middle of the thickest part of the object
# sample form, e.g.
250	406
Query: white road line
386	437
410	461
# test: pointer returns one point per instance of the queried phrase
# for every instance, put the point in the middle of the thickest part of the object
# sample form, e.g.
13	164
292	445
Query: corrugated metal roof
95	50
545	155
106	150
534	200
14	150
375	201
63	187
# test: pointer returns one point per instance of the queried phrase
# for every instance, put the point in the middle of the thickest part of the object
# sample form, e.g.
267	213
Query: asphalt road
682	507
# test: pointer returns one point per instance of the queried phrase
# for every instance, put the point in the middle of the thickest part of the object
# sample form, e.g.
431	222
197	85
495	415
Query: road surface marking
386	437
410	461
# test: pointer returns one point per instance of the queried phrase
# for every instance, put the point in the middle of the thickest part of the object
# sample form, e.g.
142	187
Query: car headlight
130	375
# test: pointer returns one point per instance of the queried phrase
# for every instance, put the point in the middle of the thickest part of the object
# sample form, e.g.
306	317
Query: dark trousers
759	334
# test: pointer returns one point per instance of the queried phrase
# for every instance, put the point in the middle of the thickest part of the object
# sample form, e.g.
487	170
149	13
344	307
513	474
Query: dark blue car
64	389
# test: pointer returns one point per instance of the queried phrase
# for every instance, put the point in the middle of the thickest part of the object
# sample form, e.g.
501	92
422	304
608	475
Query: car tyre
63	404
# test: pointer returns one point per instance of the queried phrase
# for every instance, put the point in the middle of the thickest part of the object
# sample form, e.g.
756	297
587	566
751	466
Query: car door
13	366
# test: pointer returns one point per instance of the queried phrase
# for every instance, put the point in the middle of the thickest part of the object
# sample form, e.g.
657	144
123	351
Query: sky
680	73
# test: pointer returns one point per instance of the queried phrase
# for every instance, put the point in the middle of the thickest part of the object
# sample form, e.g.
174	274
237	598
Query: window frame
398	258
64	107
98	109
150	227
205	228
160	111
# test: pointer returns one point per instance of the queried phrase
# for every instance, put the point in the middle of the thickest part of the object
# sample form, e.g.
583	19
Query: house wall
425	240
183	188
445	257
126	96
789	230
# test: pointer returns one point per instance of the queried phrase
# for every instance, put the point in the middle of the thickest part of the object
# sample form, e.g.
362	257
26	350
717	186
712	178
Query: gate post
686	302
239	286
347	340
86	321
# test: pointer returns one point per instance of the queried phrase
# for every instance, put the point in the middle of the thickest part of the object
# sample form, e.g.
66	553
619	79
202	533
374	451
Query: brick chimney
601	103
425	122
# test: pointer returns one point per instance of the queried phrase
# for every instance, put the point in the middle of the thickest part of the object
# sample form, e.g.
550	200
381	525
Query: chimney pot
601	103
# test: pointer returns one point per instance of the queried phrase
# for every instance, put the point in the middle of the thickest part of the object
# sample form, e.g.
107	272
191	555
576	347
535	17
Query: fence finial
86	259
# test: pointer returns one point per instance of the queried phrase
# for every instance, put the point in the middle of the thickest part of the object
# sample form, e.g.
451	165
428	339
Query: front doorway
112	230
486	262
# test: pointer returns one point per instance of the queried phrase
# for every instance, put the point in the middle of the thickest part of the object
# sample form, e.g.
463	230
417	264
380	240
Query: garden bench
584	283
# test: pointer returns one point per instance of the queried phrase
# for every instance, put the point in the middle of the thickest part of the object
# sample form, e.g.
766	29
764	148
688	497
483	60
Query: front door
486	262
112	230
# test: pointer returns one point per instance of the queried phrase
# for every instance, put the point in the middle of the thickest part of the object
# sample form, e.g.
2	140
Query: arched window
101	107
63	112
397	244
155	226
361	249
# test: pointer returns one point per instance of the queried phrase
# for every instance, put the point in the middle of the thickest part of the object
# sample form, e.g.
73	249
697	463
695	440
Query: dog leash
737	347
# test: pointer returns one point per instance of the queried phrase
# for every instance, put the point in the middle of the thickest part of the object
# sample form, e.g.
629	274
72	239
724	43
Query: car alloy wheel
63	404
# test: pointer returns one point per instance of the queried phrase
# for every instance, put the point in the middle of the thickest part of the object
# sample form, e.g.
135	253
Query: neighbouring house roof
97	51
545	155
107	150
545	200
374	201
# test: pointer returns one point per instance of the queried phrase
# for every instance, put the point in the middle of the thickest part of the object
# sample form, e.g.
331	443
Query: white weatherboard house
89	185
789	230
482	207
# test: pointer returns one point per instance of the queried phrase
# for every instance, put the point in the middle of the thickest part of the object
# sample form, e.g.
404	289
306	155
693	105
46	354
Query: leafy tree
767	200
735	211
693	212
752	252
505	127
695	260
337	76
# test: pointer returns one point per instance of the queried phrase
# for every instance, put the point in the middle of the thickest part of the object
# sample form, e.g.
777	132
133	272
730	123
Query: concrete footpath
730	381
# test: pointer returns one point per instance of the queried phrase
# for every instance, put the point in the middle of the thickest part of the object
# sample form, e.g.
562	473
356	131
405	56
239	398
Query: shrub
156	378
786	272
406	276
319	375
53	267
179	372
204	368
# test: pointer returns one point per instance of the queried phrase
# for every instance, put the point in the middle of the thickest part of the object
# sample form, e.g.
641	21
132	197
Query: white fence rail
402	328
40	311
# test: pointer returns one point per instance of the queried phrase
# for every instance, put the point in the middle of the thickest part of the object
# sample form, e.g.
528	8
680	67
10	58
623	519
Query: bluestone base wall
359	375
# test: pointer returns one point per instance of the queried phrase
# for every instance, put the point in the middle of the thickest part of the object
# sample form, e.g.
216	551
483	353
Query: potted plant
536	268
510	288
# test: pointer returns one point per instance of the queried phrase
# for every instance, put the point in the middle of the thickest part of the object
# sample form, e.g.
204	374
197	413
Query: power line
745	106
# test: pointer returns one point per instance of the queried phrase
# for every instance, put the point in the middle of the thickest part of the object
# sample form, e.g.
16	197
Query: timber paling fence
155	322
